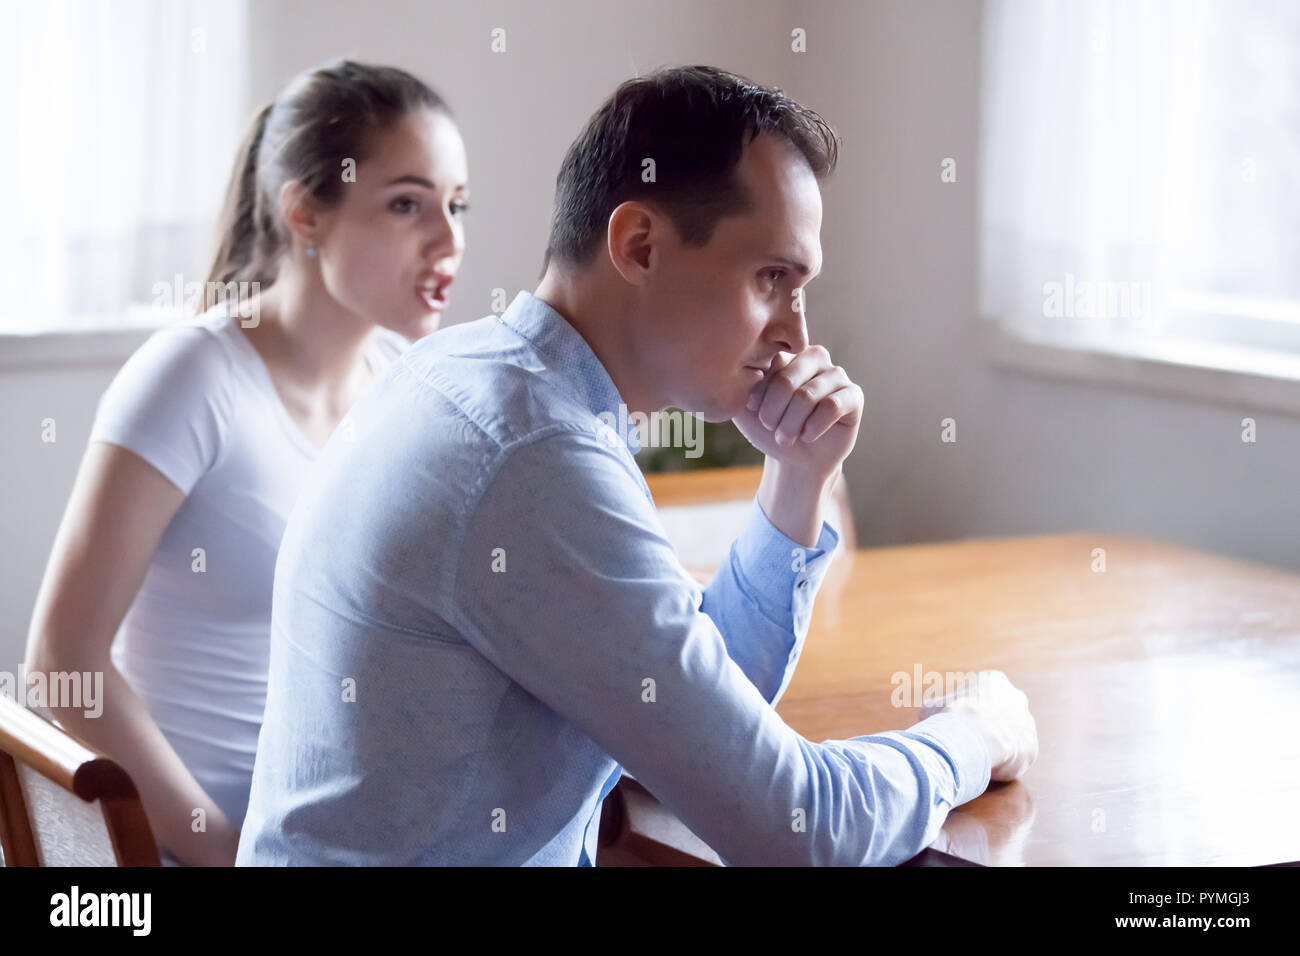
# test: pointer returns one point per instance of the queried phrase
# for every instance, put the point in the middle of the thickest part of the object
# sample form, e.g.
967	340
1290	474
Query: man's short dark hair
693	122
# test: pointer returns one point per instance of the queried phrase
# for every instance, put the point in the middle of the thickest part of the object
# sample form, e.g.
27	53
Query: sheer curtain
1140	170
120	125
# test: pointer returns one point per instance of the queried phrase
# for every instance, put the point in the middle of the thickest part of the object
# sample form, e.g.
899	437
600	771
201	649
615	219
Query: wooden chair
63	804
702	511
637	830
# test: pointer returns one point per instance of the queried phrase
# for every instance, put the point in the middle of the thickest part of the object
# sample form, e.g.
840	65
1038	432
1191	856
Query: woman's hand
216	847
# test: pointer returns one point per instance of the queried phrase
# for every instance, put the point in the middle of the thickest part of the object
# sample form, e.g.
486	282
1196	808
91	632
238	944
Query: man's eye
459	208
404	204
774	275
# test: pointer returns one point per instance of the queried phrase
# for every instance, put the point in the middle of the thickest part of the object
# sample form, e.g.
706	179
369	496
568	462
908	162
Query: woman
344	215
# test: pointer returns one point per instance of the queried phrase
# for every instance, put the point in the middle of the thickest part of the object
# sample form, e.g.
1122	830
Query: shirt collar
568	355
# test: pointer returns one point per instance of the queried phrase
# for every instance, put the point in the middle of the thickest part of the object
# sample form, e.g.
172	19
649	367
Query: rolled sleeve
778	574
762	599
962	769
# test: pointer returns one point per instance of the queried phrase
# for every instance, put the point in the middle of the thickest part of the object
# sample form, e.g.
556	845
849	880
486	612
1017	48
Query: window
121	122
1140	180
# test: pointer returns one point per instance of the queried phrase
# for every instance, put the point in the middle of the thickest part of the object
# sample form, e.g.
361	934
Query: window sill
109	348
1225	374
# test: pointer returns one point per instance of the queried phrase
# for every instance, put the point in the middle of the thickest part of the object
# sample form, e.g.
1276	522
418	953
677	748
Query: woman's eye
459	208
404	204
774	275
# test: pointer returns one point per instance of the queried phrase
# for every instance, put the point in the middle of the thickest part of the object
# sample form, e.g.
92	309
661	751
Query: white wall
895	302
37	478
898	294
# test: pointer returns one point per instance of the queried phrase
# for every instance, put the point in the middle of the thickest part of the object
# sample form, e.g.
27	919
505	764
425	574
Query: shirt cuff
962	744
779	574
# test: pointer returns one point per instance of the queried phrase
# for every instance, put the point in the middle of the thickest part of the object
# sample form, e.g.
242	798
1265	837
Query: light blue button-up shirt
478	622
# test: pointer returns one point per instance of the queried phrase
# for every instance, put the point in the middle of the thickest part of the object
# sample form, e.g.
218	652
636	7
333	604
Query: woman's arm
119	508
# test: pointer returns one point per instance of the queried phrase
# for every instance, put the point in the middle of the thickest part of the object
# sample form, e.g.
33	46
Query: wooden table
1166	690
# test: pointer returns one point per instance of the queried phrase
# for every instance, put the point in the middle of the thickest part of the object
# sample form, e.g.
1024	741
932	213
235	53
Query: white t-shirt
196	401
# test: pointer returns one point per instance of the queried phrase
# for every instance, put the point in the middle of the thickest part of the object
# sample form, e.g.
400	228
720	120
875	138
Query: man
478	621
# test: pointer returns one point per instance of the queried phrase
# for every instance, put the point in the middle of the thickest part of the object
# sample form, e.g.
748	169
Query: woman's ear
300	212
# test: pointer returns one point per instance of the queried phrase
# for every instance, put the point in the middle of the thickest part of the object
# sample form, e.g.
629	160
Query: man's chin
719	412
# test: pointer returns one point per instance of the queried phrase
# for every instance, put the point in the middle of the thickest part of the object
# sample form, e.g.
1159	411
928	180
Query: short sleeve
166	403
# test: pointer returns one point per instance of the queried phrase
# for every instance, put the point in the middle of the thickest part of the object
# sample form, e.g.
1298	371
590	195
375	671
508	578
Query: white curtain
119	126
1147	147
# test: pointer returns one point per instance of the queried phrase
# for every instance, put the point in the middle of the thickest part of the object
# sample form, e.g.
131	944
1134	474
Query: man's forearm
793	501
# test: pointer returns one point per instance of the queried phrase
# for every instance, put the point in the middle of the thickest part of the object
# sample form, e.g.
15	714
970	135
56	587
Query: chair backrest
636	830
63	804
704	510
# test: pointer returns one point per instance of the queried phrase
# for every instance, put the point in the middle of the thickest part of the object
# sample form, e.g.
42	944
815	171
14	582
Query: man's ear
633	240
300	212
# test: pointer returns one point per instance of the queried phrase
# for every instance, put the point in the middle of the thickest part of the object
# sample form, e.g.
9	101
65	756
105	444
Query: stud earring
311	251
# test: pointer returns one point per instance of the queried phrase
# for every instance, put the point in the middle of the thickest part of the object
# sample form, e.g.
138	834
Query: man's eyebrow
794	264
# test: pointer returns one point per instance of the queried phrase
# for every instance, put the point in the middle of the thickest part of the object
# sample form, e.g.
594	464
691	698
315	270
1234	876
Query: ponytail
245	234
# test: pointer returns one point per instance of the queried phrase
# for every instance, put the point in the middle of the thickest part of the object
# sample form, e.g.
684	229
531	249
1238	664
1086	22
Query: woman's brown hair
322	118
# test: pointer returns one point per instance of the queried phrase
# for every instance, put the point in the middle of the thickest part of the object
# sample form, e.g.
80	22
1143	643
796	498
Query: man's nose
790	331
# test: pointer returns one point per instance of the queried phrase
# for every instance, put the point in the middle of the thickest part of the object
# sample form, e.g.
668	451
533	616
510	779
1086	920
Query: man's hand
805	413
1000	712
804	416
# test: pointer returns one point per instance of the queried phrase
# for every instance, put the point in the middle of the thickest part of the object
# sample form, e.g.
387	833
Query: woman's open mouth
432	294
